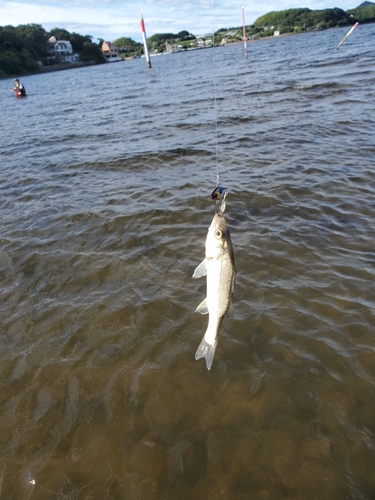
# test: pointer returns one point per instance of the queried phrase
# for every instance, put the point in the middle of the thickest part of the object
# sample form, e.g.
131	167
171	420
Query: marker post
244	31
348	33
147	55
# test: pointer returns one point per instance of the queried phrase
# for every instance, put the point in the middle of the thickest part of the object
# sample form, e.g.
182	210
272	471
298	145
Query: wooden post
145	43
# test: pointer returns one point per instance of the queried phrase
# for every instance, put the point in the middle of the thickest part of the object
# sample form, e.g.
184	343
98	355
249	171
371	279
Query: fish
219	268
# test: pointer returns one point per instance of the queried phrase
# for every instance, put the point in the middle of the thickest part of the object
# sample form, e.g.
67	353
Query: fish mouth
218	222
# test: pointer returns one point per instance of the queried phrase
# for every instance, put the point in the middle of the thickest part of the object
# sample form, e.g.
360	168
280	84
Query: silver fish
219	268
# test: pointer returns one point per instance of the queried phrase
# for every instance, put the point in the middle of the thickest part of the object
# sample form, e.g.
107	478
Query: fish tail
206	350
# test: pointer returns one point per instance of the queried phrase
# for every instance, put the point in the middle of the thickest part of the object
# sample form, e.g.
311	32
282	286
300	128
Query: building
110	52
62	50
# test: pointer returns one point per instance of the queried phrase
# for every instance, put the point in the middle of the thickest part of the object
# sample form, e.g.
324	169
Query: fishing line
29	489
215	99
219	194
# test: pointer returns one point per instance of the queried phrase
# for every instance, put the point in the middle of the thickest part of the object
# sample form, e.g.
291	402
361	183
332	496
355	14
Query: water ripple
105	207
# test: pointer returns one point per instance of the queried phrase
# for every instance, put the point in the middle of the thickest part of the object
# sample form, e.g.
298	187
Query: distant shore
54	67
80	64
61	67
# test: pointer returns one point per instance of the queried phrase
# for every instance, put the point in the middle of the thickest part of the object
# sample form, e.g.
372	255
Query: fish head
218	237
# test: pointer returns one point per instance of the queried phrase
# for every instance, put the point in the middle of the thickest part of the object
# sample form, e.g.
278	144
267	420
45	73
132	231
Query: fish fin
202	308
230	311
201	270
206	350
233	282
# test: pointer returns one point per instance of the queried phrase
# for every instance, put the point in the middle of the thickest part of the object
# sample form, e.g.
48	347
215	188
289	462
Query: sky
112	19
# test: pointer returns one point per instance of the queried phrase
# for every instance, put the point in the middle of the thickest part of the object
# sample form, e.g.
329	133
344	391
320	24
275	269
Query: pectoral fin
233	283
202	308
201	270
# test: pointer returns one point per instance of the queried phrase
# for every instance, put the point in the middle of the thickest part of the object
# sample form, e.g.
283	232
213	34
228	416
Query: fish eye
219	234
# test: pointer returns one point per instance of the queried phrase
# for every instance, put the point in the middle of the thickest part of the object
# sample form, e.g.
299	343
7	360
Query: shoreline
67	66
63	66
52	68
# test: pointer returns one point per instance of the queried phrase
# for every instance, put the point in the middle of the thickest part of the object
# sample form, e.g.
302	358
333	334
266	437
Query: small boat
113	58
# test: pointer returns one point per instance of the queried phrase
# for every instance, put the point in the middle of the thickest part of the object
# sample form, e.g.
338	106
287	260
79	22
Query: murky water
104	182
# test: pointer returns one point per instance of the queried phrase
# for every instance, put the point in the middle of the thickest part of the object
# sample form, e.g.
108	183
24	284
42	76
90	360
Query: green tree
35	38
128	46
287	21
91	52
363	14
60	34
157	41
9	40
20	48
10	64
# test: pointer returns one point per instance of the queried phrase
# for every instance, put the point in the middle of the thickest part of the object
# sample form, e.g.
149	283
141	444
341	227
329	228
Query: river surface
105	180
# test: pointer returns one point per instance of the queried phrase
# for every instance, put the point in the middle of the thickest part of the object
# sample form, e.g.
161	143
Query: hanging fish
219	268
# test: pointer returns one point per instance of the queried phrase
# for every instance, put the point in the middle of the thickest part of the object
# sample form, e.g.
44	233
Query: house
110	52
62	50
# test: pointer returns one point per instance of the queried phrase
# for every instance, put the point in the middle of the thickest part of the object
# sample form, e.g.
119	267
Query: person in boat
19	89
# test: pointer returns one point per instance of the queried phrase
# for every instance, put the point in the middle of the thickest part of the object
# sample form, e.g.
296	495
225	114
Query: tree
35	37
128	46
78	41
91	52
363	14
291	20
20	48
10	64
60	34
157	41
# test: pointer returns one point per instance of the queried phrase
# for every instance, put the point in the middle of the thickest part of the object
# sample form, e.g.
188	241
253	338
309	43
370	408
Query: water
105	179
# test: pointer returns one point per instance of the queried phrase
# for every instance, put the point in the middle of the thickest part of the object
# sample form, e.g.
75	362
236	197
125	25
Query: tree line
301	19
23	49
293	20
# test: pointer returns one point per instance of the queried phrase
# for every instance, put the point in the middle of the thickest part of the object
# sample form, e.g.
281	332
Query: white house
63	49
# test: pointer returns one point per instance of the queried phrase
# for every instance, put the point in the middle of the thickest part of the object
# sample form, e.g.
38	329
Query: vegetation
20	48
82	45
157	42
285	21
23	49
128	47
289	21
365	14
292	20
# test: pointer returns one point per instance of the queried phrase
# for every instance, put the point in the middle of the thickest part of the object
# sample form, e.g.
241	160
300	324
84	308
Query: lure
219	195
